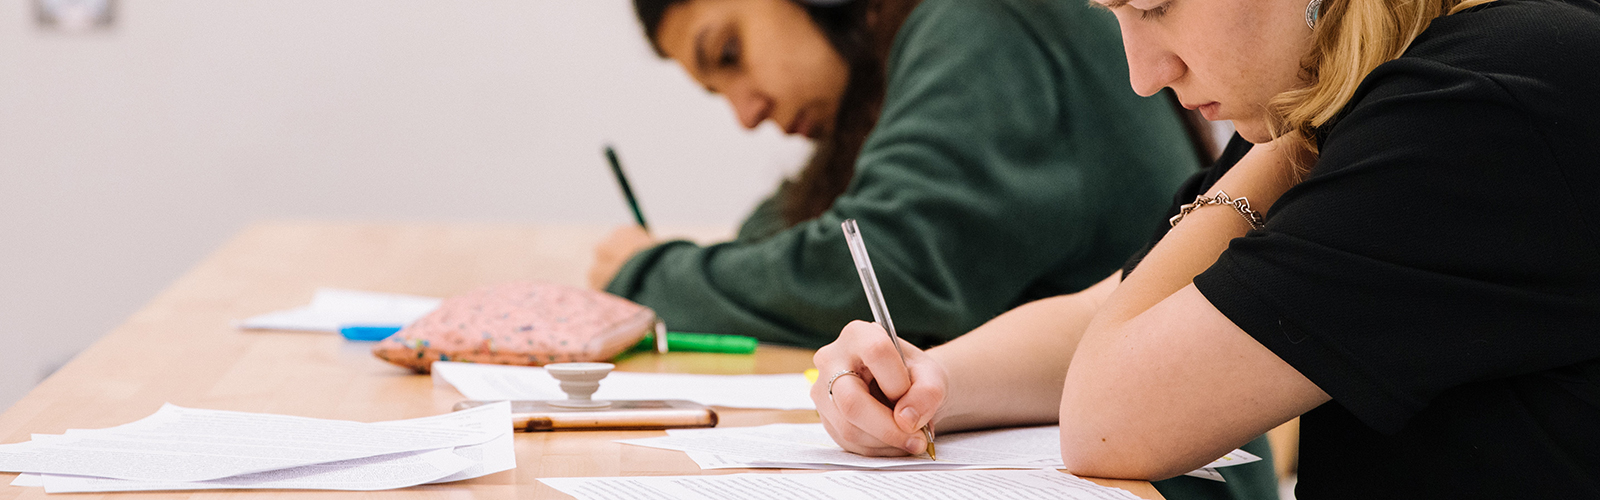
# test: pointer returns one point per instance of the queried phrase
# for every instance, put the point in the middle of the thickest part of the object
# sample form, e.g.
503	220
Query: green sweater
1011	162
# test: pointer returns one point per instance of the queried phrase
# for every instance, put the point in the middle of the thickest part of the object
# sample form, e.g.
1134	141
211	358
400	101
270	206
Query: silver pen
880	311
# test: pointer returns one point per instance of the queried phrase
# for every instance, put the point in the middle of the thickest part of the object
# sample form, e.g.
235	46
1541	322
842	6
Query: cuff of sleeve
1320	360
631	277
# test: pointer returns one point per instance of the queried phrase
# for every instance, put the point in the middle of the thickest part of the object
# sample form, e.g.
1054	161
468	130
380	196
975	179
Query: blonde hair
1353	37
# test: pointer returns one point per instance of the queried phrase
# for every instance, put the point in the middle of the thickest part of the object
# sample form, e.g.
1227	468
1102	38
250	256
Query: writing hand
880	409
614	251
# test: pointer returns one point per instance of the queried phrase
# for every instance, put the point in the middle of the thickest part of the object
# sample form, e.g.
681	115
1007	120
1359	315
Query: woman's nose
749	105
1150	66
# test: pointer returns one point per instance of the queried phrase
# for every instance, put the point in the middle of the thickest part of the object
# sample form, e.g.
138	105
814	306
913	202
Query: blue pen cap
368	333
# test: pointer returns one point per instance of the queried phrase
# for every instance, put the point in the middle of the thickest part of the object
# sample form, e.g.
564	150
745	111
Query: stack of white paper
966	485
333	308
499	382
808	446
189	449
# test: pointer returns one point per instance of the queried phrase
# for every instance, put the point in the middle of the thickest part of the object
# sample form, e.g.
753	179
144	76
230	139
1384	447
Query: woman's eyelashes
724	56
1156	12
728	56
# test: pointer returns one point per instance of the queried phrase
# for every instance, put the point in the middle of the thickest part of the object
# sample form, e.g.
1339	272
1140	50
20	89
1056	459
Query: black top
1438	272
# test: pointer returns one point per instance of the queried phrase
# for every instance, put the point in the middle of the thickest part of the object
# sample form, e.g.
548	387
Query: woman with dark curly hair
989	147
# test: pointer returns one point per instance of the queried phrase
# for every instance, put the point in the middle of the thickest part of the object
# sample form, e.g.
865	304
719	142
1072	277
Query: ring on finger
836	379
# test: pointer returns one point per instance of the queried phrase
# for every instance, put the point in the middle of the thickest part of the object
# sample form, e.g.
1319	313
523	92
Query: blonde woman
1410	262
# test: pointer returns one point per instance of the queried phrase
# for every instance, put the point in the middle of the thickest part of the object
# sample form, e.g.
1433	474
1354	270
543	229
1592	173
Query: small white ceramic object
579	381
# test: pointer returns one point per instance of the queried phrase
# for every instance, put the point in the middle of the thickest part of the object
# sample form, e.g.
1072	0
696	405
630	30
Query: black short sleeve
1446	235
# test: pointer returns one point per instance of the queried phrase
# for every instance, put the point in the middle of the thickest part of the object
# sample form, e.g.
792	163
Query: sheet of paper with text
966	485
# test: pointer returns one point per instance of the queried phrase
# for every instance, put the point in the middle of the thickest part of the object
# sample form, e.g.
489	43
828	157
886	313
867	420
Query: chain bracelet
1240	204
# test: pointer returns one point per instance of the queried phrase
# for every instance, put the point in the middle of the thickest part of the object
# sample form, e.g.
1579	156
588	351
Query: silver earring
1312	10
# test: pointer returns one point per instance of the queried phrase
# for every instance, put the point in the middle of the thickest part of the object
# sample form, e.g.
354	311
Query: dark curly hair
861	31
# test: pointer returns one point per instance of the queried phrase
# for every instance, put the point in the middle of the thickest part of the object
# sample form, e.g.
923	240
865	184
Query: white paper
501	382
374	473
712	461
495	455
1207	473
332	308
183	444
362	474
847	485
808	446
1235	457
33	480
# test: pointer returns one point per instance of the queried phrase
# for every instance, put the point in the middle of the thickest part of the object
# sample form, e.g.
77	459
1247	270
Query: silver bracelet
1241	204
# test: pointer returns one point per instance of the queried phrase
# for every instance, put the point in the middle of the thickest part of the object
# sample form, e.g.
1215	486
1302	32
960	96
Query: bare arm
1163	382
1007	372
1010	370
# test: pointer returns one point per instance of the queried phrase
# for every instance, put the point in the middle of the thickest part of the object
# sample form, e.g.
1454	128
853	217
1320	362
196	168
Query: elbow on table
1115	458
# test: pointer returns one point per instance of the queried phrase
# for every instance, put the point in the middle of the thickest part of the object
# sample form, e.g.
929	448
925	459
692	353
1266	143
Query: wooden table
182	348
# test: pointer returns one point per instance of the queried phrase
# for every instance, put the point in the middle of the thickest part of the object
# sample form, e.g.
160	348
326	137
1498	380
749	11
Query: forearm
1010	370
1160	371
1195	244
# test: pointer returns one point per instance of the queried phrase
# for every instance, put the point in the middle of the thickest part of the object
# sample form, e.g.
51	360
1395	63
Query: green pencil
627	192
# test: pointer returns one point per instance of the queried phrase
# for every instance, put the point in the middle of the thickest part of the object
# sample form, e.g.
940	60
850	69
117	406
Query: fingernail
908	418
915	445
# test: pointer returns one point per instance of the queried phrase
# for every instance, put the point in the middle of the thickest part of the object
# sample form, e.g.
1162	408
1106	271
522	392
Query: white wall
126	156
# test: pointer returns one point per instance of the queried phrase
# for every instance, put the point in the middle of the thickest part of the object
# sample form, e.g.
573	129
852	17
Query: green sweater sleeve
1009	164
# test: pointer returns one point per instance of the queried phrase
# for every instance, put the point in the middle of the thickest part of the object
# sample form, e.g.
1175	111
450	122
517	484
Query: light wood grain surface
182	348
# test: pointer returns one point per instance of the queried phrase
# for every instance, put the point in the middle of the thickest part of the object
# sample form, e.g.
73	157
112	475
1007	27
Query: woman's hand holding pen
875	408
614	251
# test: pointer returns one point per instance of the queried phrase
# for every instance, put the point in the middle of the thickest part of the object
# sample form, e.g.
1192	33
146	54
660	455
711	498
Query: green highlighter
697	342
710	342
